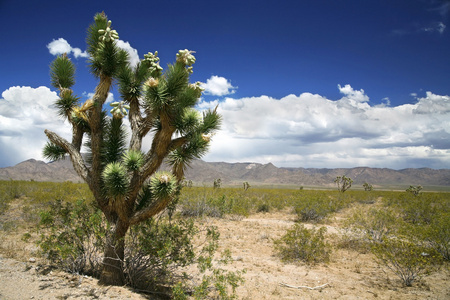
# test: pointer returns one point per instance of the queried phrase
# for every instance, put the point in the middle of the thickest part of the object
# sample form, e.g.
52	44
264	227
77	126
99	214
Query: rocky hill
204	173
235	173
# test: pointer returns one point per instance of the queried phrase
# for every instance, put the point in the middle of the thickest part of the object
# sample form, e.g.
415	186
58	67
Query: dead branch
305	287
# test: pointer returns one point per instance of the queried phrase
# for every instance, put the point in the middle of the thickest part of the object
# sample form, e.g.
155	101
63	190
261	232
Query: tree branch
305	287
150	211
77	159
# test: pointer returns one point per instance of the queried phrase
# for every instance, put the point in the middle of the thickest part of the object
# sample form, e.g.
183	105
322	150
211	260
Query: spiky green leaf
53	152
115	179
163	185
62	72
133	160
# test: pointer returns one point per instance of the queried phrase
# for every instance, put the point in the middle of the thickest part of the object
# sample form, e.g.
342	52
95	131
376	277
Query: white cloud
133	56
433	104
61	46
350	93
24	114
435	27
108	100
307	130
218	86
311	131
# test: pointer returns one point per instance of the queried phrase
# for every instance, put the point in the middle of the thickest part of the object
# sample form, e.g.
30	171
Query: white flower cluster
119	109
185	57
108	34
153	60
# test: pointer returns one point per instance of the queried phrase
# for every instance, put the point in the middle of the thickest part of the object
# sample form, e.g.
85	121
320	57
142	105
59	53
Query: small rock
32	260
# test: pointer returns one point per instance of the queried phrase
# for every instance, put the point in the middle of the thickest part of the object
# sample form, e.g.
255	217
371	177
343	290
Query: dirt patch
28	280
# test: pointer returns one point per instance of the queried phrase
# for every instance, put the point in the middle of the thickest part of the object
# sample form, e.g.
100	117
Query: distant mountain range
204	173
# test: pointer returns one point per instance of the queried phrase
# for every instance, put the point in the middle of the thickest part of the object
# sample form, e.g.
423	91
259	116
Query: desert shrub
4	203
374	223
263	207
214	203
199	209
71	236
408	260
421	210
312	209
156	249
303	244
316	207
436	235
216	282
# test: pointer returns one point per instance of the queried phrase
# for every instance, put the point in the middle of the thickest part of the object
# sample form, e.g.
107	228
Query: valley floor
349	275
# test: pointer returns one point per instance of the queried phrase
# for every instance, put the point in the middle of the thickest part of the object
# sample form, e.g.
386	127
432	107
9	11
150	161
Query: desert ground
349	275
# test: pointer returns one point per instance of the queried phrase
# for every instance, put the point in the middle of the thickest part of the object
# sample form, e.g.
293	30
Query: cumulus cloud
133	57
61	46
306	130
433	104
312	131
24	114
218	86
109	98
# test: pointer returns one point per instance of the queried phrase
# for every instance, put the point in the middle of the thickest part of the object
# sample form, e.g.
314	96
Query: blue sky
299	83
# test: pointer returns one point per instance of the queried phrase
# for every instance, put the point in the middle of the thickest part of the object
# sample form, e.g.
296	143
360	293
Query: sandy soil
349	275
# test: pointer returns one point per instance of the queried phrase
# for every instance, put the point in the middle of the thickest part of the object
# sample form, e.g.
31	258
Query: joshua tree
246	185
415	190
367	187
125	182
217	183
343	183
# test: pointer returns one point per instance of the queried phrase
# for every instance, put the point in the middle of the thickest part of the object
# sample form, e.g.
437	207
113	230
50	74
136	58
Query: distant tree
415	190
188	183
217	183
367	187
246	185
343	183
124	180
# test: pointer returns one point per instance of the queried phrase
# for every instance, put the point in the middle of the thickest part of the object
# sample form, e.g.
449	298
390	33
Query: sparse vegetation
406	235
408	260
303	244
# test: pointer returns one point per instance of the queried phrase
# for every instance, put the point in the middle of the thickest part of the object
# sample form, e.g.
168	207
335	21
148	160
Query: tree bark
113	269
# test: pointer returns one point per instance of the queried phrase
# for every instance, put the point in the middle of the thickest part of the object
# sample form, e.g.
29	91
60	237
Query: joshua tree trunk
113	272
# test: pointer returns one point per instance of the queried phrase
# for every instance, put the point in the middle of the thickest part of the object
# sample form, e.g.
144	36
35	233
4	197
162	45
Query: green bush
156	249
436	235
408	260
374	223
303	244
73	235
316	207
263	207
